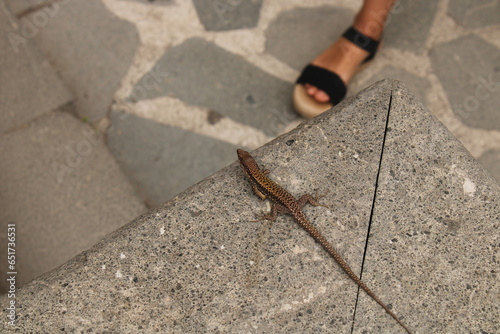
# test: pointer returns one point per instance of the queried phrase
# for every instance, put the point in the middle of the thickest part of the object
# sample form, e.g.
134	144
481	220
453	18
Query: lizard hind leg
313	200
273	214
264	216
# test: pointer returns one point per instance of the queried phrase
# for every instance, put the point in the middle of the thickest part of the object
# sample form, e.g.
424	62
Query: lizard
284	202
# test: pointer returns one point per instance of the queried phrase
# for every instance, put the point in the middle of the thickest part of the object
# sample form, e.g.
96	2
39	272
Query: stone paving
176	86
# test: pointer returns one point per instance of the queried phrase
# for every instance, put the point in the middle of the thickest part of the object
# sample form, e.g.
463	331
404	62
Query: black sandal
328	81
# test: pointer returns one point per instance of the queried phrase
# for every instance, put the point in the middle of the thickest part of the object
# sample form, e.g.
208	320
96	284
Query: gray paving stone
162	161
62	189
29	86
196	264
469	70
91	49
409	24
419	86
475	13
222	82
297	36
491	161
219	15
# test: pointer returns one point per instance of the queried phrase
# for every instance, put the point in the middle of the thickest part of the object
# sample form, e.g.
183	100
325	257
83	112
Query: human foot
343	58
324	82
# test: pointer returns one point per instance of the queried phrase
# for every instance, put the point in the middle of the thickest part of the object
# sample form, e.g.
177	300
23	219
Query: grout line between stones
34	8
372	209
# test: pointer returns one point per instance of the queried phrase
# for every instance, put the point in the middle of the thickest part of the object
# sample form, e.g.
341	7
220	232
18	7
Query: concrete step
62	189
409	208
58	182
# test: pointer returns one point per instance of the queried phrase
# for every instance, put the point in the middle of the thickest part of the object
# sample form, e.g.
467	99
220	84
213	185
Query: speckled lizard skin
284	202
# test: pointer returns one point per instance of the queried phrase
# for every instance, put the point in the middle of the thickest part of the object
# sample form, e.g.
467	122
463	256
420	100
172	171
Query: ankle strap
364	42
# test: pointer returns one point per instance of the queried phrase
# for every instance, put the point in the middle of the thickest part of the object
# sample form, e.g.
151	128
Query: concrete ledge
198	264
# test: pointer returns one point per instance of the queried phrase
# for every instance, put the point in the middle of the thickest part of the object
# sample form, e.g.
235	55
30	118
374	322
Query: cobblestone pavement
110	106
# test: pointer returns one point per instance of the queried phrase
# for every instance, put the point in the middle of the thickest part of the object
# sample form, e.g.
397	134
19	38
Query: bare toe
310	89
318	94
321	96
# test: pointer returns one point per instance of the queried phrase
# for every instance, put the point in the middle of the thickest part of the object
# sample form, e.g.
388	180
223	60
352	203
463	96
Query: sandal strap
330	82
364	42
325	80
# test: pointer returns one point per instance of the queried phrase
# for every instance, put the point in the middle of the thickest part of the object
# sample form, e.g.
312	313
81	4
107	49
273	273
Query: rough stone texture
491	160
221	15
222	82
25	73
62	189
409	25
197	264
288	37
475	13
469	70
436	220
144	149
101	52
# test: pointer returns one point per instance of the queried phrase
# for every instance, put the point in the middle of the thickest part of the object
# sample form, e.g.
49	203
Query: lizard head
246	161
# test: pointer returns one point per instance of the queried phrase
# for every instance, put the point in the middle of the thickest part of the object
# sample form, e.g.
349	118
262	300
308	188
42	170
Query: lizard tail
329	248
375	298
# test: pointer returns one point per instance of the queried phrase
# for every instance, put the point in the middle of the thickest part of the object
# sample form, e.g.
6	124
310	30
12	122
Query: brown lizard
284	202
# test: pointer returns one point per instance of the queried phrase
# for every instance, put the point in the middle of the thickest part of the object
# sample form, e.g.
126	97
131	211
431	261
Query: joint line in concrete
372	209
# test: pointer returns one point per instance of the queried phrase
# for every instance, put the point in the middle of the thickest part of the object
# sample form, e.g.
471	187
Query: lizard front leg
256	190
